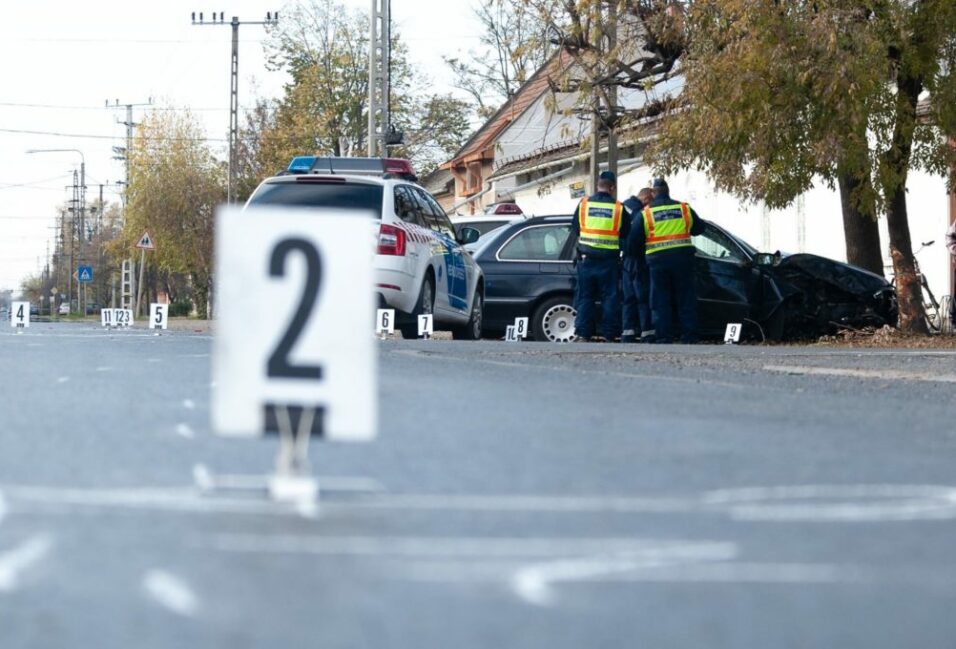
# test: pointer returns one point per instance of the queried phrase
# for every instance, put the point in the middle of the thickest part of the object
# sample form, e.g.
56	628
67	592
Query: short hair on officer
660	187
607	180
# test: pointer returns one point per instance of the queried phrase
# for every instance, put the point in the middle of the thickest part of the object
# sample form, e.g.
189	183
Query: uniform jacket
602	197
635	239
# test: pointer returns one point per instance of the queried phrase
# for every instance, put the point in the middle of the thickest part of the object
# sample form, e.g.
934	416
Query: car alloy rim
558	323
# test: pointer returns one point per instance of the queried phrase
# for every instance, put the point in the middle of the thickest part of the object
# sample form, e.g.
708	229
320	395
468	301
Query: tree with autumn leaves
779	95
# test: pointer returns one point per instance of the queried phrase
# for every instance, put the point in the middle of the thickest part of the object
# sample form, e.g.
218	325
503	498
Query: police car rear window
345	196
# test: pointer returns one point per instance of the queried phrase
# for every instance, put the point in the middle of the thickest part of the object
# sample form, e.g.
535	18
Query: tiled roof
437	181
484	138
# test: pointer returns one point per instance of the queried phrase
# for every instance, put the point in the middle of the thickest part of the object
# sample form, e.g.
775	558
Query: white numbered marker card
426	325
116	317
294	296
511	334
732	334
385	321
20	314
158	315
521	327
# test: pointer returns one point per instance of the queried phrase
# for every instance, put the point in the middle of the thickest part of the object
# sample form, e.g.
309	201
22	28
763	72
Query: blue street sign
84	274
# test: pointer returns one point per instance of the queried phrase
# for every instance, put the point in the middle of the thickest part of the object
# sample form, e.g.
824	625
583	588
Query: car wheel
472	330
554	320
425	305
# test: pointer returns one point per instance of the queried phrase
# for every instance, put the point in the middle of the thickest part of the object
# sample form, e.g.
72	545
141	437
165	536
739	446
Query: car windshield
337	195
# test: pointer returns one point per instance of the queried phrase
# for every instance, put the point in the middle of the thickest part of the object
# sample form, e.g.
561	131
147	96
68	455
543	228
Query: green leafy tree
324	107
779	94
176	183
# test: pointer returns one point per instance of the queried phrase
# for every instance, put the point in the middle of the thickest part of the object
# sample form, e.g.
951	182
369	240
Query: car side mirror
765	259
468	235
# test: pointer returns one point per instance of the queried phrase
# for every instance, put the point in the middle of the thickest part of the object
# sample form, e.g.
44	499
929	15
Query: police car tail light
391	240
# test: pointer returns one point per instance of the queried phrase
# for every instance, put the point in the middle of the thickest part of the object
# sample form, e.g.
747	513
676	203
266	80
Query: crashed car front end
822	296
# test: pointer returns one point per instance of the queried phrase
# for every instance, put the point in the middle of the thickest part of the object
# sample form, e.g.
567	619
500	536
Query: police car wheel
425	305
554	321
472	330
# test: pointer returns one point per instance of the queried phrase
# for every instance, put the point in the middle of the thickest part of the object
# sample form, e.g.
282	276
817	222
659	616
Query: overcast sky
63	60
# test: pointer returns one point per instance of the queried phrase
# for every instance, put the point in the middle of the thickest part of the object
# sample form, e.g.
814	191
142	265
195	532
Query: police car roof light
302	164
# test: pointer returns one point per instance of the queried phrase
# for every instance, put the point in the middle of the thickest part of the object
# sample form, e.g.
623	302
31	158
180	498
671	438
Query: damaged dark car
529	273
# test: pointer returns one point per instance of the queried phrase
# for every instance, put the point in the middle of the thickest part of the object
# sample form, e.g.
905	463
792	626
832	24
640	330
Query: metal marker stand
293	481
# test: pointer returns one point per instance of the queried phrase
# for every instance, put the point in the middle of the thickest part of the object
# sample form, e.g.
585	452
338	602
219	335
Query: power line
89	136
13	104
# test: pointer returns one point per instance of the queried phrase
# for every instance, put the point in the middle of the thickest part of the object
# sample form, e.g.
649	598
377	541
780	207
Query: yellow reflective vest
667	227
600	225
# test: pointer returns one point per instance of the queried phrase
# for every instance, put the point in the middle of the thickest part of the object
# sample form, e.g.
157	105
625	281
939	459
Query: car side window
434	215
715	245
406	207
543	243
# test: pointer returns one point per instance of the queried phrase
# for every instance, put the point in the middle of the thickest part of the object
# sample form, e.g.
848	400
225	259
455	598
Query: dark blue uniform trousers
636	306
598	279
673	287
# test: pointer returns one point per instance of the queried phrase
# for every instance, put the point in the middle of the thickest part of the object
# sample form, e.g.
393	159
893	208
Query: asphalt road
519	495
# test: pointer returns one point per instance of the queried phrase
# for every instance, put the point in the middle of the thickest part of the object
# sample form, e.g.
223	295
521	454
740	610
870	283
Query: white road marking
189	404
170	592
439	547
885	375
183	430
15	562
837	503
203	477
104	368
535	583
63	379
529	503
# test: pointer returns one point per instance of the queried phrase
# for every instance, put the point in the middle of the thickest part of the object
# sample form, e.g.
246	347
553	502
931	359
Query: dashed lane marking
170	592
183	430
15	562
885	375
189	404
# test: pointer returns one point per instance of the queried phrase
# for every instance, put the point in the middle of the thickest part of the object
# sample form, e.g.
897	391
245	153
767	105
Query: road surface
519	495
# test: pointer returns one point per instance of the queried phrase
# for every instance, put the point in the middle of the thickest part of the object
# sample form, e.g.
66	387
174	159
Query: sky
62	61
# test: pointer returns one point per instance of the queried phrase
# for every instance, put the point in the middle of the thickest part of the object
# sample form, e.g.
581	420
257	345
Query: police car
421	266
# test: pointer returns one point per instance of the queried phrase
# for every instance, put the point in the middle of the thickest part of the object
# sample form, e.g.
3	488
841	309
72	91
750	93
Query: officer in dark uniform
665	238
601	224
636	308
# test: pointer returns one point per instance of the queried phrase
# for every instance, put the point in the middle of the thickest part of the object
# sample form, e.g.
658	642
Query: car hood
851	279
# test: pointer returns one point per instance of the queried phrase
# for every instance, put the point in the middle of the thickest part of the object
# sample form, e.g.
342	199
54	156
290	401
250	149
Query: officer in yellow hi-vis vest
601	224
666	242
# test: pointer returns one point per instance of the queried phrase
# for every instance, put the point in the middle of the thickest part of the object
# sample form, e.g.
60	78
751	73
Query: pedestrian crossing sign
146	242
84	274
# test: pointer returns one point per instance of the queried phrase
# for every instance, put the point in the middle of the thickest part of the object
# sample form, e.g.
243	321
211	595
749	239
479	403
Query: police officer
636	308
601	224
666	241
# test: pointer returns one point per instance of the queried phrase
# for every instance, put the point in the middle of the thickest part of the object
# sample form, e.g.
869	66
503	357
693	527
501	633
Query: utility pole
120	152
379	59
272	18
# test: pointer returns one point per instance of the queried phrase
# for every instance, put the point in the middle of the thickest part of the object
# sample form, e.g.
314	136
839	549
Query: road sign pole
139	285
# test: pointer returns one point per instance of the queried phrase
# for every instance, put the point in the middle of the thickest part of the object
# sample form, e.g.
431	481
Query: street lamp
82	208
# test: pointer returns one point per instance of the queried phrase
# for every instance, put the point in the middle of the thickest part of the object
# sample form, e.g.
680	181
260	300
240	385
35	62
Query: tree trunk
862	232
895	163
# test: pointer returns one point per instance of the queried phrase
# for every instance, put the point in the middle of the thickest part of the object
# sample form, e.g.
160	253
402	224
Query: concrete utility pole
120	152
272	18
379	56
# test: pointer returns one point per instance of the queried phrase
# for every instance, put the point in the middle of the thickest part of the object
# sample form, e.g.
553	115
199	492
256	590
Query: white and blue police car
421	265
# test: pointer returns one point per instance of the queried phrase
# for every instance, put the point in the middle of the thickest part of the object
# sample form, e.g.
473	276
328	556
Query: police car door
448	258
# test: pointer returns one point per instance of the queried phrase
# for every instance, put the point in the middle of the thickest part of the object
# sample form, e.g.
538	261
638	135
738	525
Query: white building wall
813	223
